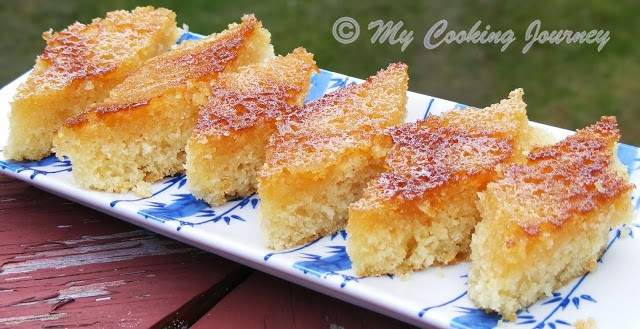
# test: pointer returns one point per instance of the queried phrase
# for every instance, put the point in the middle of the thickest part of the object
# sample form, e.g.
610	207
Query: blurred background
567	85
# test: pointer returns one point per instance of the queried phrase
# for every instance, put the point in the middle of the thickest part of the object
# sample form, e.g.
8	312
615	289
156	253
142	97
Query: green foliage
568	85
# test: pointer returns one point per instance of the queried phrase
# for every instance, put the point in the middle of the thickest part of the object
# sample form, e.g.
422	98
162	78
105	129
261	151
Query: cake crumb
589	323
142	189
572	185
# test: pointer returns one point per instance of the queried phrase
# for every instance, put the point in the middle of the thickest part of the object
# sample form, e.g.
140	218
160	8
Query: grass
568	85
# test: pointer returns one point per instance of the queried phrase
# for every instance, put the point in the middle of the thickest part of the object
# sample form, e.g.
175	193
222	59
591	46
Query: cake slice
547	221
139	133
422	209
324	154
227	147
78	67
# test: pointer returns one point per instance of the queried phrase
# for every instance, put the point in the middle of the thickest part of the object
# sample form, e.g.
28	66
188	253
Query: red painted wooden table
63	265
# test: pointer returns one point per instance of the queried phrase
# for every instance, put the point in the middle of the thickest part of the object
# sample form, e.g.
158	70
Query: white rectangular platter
435	297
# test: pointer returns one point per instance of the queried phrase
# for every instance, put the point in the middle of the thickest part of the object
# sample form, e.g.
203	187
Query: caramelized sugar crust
430	154
261	92
81	51
568	178
68	56
104	109
190	62
337	120
547	221
229	110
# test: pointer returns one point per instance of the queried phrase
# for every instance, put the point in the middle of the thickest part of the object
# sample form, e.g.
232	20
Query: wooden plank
64	265
263	301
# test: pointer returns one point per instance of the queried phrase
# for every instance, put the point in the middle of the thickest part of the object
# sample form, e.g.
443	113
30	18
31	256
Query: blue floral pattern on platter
46	166
422	298
188	36
331	261
477	318
185	206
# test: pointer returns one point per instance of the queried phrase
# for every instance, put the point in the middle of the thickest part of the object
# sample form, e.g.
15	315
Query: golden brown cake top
187	63
229	110
456	146
574	176
345	118
431	154
191	61
258	92
81	52
350	108
100	109
508	116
